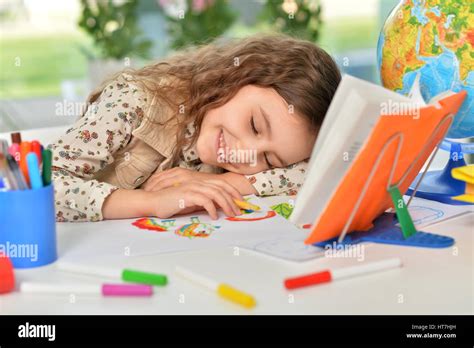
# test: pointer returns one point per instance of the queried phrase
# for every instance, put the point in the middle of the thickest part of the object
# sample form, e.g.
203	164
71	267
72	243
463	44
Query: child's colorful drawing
196	229
284	209
153	224
253	216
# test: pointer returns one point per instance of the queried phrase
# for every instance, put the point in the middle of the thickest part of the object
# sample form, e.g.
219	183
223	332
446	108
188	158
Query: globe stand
439	185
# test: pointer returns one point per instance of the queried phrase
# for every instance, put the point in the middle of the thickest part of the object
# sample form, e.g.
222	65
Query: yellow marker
466	174
246	205
236	296
224	290
176	184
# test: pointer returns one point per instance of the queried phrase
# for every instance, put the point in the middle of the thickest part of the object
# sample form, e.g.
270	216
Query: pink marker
104	289
126	290
14	150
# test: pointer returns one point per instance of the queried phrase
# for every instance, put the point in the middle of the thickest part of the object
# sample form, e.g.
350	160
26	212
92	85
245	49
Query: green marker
47	162
403	215
131	276
126	275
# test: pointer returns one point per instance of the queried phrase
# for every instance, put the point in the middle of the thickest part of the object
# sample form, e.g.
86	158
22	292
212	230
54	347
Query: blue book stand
439	185
385	231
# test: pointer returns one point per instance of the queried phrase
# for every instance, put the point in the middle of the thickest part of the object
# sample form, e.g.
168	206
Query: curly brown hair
200	79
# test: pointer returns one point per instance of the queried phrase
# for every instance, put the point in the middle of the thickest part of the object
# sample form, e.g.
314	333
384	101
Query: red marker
25	148
7	277
36	148
328	276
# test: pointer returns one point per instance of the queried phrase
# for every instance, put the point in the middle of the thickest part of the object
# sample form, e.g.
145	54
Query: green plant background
47	60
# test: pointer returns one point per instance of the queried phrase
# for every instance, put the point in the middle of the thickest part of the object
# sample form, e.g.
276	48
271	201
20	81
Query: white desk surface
432	281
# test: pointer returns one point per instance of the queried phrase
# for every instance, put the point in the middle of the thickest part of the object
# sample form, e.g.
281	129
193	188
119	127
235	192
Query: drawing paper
195	231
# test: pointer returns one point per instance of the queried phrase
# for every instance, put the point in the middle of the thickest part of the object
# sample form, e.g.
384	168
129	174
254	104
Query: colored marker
3	147
224	290
126	275
7	276
47	162
34	171
328	276
6	175
16	138
36	148
19	179
14	150
25	149
246	205
101	289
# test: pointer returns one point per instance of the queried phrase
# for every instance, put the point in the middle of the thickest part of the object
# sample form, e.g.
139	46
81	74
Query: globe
436	40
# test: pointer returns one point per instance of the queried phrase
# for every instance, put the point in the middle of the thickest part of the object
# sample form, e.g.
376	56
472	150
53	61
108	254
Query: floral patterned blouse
91	144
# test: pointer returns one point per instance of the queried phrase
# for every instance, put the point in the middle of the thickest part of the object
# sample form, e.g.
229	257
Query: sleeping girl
196	131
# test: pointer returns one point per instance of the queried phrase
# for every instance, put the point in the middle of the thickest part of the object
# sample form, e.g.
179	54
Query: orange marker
36	148
25	148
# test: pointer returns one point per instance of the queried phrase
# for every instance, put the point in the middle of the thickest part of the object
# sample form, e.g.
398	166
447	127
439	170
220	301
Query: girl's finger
228	197
161	183
169	178
157	177
228	187
218	195
205	202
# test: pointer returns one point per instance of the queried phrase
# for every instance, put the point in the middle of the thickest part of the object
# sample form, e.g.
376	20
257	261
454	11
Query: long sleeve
88	146
280	181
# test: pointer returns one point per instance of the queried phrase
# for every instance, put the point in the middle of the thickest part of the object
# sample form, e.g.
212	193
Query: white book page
351	117
336	157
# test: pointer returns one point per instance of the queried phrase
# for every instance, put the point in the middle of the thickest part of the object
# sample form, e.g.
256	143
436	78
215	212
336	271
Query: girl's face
256	130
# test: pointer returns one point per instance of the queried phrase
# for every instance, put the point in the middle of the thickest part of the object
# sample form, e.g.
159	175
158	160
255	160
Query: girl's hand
194	195
160	180
173	176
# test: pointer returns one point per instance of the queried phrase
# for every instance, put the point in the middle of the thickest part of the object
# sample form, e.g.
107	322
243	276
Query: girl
196	131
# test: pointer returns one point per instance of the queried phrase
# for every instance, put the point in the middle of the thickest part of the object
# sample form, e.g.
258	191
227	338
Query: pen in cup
34	171
25	149
16	173
36	148
47	163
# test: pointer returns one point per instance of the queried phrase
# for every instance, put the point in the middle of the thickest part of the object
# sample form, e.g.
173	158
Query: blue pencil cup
28	227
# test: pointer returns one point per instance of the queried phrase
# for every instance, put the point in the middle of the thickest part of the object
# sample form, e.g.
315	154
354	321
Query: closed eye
254	129
252	124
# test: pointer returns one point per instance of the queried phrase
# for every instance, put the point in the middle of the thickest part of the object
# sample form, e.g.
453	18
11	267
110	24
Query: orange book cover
415	150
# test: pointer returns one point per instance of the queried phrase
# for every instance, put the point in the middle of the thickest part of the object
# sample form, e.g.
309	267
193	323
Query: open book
361	119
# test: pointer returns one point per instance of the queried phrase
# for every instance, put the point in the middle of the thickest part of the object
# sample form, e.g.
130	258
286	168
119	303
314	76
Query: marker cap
236	296
7	277
16	138
132	276
312	279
